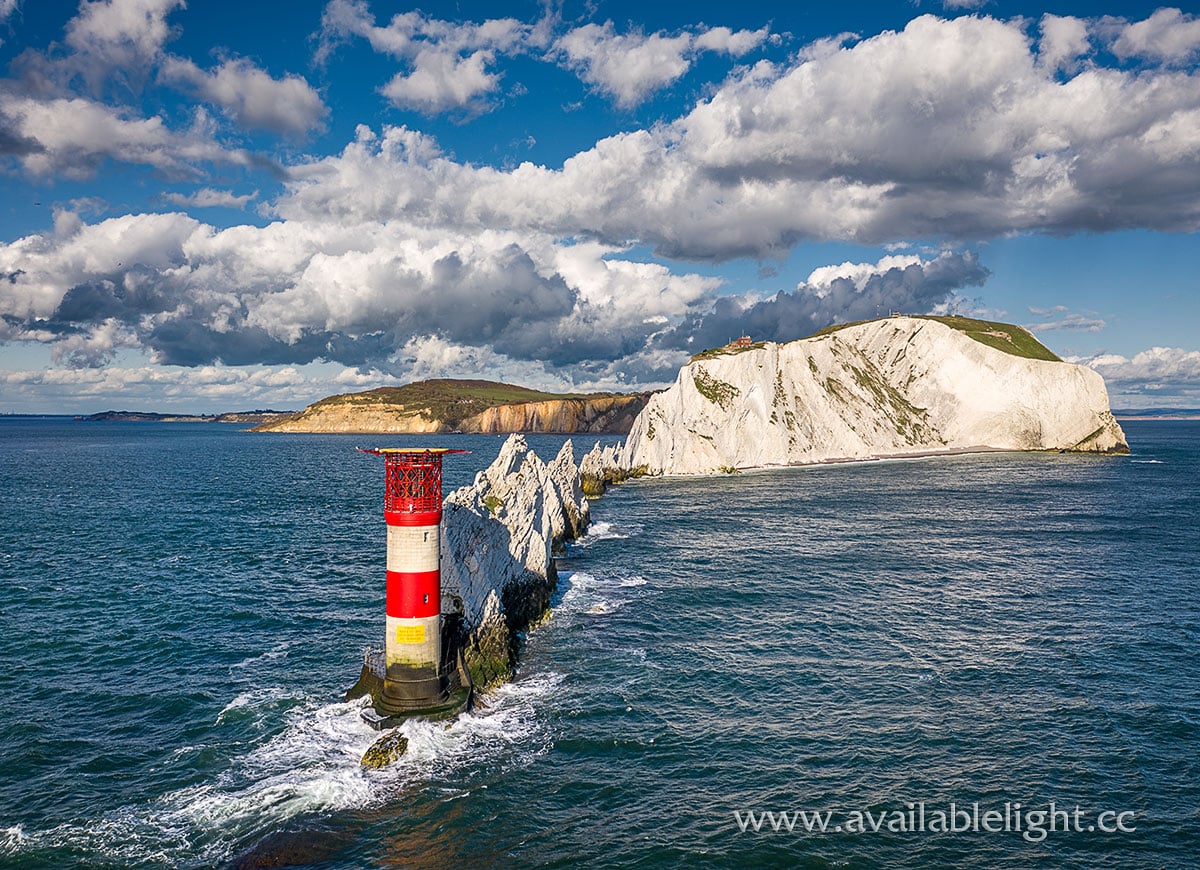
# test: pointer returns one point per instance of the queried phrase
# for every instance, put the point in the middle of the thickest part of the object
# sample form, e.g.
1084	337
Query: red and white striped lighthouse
415	676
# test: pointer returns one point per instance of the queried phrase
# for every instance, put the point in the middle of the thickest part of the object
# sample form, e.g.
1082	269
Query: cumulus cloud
449	64
950	129
631	66
251	97
73	136
295	292
1168	36
1063	40
118	38
441	81
833	294
1158	376
154	387
112	47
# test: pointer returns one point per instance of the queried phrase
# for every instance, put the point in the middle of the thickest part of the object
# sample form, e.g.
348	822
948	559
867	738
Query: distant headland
152	417
446	405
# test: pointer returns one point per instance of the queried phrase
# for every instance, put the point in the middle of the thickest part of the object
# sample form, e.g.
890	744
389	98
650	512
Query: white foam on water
257	705
605	531
596	596
506	724
1146	461
311	766
10	840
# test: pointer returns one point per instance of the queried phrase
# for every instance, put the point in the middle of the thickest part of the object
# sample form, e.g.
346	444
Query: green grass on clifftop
449	399
727	350
1002	336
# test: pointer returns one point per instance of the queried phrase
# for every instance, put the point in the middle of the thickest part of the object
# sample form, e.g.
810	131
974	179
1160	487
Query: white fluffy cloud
949	128
251	96
112	47
360	294
159	388
441	81
632	65
408	299
449	64
1063	40
1167	36
118	37
72	136
1160	376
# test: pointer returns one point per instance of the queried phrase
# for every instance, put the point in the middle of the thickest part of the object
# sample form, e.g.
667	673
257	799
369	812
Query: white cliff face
498	538
890	387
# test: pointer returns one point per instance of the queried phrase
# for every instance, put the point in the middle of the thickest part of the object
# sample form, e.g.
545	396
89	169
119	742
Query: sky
214	206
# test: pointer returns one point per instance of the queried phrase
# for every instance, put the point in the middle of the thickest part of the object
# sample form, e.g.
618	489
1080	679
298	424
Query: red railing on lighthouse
413	484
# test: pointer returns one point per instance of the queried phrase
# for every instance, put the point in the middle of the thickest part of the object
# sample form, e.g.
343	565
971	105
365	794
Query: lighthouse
420	673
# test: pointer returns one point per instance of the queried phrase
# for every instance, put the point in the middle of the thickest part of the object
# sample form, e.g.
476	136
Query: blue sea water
183	605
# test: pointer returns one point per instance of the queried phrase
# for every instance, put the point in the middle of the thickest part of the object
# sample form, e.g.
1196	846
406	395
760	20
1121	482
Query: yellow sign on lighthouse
410	634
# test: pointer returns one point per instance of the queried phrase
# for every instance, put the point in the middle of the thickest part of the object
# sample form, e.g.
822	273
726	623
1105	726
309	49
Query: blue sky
218	206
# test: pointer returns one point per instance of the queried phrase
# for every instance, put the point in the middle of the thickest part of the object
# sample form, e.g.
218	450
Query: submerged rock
386	750
891	387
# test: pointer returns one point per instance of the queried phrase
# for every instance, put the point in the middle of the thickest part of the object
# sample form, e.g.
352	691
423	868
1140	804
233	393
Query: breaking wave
309	767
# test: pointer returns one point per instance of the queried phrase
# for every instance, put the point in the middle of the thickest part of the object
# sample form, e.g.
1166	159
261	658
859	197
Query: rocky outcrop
386	750
602	467
499	536
891	387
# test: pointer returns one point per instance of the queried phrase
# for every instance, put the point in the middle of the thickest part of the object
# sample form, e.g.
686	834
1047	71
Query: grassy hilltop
1007	337
449	399
1016	340
449	405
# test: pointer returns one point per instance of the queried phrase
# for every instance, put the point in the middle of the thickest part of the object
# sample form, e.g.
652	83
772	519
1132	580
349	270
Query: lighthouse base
399	693
450	705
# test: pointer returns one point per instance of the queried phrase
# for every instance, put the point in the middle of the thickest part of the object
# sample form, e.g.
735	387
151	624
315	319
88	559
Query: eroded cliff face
890	387
363	418
610	414
498	541
599	415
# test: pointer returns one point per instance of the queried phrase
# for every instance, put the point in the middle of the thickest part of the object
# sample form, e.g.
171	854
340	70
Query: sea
985	660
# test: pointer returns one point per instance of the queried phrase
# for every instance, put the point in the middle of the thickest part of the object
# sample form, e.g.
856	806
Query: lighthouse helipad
419	671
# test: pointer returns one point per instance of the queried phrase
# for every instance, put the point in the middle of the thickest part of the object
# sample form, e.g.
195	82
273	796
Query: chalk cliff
498	539
890	387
